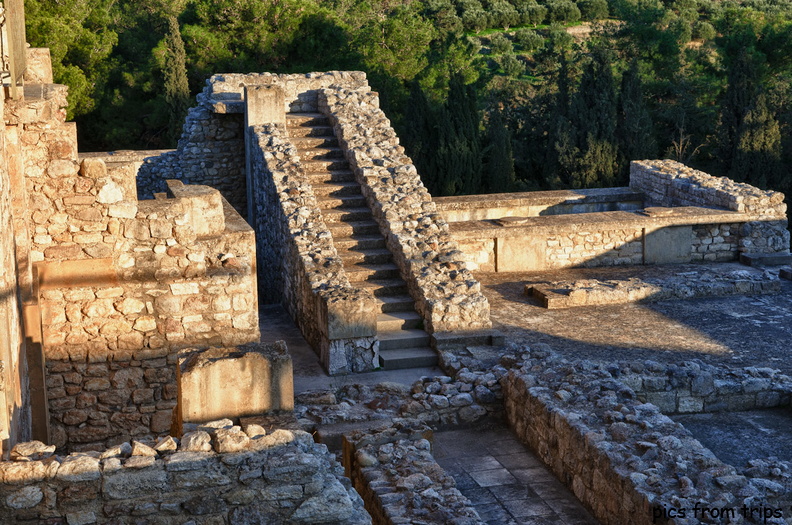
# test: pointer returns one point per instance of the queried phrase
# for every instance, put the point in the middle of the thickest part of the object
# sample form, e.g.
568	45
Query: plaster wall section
217	474
669	183
445	292
211	150
299	264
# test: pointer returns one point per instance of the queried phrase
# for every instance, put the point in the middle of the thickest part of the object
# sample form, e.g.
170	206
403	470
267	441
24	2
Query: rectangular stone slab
221	383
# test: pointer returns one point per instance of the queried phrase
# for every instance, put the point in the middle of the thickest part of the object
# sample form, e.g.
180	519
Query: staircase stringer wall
445	292
298	262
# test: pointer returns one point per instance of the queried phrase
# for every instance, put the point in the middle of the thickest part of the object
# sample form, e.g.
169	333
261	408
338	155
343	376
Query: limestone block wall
670	183
211	150
213	475
15	416
110	335
299	264
445	293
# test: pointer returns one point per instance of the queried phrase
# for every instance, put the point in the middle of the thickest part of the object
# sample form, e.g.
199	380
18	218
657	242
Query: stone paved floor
505	481
736	330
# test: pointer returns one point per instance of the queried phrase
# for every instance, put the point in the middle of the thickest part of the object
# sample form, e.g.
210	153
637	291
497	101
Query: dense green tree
593	9
529	39
80	37
500	161
564	11
737	100
635	130
500	44
174	71
757	156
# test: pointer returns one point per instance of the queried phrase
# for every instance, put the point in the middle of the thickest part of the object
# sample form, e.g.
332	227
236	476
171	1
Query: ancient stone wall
211	150
300	265
121	285
399	480
15	414
624	458
218	474
445	293
669	183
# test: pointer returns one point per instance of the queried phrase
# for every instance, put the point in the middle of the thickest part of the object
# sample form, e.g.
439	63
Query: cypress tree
757	157
635	129
463	119
500	158
177	89
737	100
592	121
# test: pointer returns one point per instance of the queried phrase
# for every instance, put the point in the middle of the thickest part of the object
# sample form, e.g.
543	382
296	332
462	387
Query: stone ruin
130	292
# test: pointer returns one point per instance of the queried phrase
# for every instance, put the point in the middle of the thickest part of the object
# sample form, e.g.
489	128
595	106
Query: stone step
364	271
310	131
398	321
346	214
359	242
371	256
766	259
306	119
321	141
317	154
342	201
331	176
395	303
408	338
347	229
313	167
336	188
398	359
387	288
461	339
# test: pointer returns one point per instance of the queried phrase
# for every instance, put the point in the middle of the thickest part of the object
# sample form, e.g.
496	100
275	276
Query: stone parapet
299	264
445	292
399	480
217	474
669	183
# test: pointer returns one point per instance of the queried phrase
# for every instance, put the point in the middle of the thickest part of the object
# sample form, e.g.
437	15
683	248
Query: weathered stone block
234	382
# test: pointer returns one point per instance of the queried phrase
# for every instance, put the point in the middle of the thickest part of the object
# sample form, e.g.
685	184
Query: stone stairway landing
367	261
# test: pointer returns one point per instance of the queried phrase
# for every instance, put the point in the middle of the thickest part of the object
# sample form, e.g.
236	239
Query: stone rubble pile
401	483
446	294
215	474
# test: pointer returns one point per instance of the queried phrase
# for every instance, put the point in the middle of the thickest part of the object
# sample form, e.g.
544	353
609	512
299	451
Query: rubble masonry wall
212	476
445	292
300	265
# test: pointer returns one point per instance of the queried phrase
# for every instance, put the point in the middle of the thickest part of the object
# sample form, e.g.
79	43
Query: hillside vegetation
488	95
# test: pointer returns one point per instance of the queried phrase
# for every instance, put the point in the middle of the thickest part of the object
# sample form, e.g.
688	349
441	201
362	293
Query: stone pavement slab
504	480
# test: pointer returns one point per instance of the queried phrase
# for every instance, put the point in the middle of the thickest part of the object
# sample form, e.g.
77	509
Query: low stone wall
537	203
211	150
669	183
617	238
445	293
399	480
299	264
624	459
217	474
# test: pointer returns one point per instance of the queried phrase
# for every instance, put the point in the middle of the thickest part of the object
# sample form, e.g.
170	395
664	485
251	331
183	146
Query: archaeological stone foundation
134	386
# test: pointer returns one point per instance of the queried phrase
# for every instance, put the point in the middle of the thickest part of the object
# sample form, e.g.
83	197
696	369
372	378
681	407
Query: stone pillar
263	105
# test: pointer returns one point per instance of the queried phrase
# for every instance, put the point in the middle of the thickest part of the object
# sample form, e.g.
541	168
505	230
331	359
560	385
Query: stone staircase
367	261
